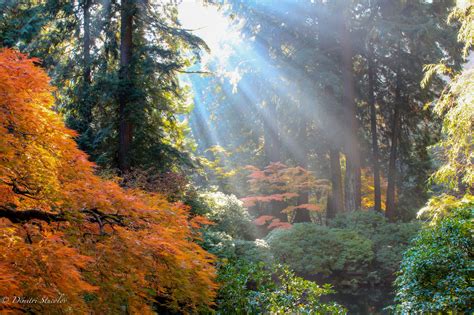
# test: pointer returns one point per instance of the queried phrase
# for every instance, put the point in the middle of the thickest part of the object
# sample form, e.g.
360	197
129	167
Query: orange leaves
273	223
35	146
277	224
121	247
263	219
44	268
278	178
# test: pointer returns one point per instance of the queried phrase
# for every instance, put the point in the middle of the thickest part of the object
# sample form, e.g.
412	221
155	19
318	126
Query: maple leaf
277	224
262	220
124	246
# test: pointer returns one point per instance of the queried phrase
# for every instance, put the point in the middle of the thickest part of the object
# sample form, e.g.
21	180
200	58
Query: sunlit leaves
436	272
278	183
456	106
119	247
250	288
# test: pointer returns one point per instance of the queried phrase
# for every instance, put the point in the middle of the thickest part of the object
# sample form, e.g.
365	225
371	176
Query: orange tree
65	232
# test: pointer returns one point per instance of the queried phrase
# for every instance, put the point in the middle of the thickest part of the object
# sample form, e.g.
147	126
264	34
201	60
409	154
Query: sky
206	21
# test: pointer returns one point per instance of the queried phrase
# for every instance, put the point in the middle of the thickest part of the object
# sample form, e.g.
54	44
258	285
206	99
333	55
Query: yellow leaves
464	14
456	107
367	189
439	207
432	69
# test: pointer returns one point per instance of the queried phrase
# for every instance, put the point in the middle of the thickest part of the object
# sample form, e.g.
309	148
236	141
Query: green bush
390	240
249	288
225	247
358	249
229	215
232	234
436	272
314	250
366	223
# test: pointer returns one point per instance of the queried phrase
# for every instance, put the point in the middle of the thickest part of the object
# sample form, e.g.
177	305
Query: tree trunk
270	135
87	42
126	45
302	215
335	204
391	211
352	180
86	102
373	128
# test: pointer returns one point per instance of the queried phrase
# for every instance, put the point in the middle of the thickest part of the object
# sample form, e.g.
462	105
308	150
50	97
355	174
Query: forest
236	157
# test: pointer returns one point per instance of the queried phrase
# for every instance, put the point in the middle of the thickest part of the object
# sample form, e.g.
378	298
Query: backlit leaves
122	248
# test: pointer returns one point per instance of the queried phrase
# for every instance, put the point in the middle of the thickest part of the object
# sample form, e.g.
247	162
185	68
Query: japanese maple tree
276	191
66	231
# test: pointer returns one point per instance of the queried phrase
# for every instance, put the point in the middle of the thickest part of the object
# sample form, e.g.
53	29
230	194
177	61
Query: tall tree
391	210
373	129
127	12
352	176
134	101
87	42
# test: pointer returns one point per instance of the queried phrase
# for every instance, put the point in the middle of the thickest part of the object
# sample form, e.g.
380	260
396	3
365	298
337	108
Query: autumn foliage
64	230
280	186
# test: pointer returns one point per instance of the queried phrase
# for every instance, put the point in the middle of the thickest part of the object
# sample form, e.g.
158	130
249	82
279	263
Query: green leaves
249	288
312	250
436	273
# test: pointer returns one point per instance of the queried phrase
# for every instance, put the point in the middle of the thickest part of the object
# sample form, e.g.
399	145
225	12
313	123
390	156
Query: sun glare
207	22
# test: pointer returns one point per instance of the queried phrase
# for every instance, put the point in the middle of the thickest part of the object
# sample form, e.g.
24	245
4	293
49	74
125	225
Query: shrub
314	250
249	288
366	223
229	215
225	247
436	272
390	240
232	234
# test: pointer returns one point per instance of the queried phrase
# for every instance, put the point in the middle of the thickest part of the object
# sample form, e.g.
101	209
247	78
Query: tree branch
93	215
194	72
19	216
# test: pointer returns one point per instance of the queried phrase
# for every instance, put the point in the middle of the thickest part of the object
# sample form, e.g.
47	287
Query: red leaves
252	201
280	186
150	253
263	219
273	223
277	224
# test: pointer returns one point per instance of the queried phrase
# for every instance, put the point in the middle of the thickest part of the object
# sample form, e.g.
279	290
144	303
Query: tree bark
302	215
352	179
91	215
391	211
373	128
87	42
86	102
126	52
336	204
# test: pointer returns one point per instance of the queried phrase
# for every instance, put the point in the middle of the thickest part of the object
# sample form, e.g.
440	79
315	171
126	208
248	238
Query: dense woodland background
323	164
